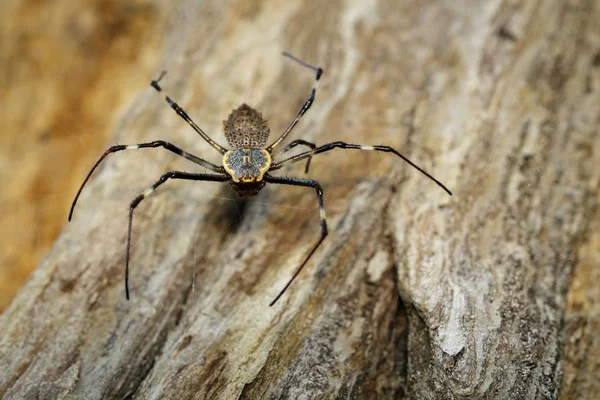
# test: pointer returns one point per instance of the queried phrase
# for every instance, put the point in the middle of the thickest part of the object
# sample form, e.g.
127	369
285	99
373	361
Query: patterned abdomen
246	129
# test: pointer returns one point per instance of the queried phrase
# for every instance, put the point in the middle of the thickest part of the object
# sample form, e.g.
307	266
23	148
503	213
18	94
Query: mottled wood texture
500	100
67	70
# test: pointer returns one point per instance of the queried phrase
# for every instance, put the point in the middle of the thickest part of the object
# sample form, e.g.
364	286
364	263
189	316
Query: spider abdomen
247	165
245	128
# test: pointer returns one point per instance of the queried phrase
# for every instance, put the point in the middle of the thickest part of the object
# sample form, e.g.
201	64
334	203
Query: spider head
247	165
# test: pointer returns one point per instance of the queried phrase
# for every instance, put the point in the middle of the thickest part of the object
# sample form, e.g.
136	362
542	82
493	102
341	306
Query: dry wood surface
489	294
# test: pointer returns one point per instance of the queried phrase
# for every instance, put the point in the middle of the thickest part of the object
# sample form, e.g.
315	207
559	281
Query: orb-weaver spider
247	165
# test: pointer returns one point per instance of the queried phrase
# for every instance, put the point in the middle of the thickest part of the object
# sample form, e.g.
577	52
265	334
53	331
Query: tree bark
414	294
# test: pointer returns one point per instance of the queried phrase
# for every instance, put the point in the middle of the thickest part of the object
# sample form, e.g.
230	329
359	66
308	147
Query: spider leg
181	112
295	143
343	145
317	187
156	143
305	107
147	192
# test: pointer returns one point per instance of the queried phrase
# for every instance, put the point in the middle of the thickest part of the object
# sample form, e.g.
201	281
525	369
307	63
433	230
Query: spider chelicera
247	164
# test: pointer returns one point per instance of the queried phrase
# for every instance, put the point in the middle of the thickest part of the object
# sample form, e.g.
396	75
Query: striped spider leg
147	192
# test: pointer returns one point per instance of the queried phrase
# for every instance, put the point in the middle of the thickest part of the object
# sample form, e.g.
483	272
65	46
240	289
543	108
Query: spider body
247	133
245	128
247	165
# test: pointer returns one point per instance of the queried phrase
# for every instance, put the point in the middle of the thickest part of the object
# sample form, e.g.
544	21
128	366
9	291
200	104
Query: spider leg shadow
230	210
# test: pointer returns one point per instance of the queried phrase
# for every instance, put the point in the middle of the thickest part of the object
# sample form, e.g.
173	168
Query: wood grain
415	294
69	72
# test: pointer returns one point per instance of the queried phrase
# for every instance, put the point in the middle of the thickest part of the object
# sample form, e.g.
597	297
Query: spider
247	165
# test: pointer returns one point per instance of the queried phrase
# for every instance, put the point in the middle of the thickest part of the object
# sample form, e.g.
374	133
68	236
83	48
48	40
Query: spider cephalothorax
247	165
